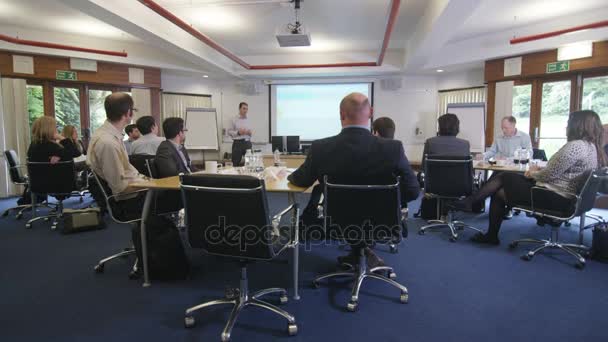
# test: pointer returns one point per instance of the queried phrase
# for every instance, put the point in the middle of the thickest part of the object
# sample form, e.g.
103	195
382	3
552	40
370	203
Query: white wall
462	79
414	105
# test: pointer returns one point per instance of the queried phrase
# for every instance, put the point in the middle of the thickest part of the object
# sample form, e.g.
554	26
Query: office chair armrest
276	222
123	194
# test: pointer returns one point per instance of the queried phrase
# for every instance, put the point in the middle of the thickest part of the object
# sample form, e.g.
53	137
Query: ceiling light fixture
575	51
205	76
439	70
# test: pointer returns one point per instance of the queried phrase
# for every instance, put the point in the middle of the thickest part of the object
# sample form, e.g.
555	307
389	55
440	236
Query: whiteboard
202	129
472	117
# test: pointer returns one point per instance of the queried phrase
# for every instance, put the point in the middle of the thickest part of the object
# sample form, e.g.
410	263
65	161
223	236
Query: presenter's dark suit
355	156
169	163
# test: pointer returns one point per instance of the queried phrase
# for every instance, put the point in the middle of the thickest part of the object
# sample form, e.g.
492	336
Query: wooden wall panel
535	64
490	107
107	73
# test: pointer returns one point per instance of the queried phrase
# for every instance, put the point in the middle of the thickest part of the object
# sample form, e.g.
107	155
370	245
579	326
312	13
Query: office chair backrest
139	162
52	179
358	212
227	215
588	193
14	169
538	153
448	176
151	167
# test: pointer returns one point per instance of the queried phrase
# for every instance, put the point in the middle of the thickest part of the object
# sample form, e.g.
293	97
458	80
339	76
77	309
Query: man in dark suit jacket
171	156
356	156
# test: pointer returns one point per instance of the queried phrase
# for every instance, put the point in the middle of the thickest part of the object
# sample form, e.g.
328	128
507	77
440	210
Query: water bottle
259	162
248	161
277	157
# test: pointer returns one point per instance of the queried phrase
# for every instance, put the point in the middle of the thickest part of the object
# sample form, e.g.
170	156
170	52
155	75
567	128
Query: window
554	113
97	113
595	96
522	100
67	107
35	102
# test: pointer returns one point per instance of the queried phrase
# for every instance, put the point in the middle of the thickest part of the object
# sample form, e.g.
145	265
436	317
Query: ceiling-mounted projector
293	34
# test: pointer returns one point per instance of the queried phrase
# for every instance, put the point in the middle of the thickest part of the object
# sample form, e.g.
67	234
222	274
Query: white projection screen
311	111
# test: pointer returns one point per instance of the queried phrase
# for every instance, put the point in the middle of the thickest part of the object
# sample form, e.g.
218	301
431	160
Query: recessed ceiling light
439	70
205	76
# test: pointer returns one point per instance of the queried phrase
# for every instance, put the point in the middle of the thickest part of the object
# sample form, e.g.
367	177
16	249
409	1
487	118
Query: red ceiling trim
394	11
60	46
559	32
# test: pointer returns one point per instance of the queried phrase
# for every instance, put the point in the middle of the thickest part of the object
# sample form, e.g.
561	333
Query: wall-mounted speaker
391	83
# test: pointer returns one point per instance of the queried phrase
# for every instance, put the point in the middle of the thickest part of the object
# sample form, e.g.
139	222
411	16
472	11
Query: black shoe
461	205
485	238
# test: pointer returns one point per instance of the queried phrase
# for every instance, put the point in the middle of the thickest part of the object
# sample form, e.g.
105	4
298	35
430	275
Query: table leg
144	238
291	198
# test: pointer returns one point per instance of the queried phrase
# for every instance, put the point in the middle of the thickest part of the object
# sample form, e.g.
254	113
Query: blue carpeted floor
458	292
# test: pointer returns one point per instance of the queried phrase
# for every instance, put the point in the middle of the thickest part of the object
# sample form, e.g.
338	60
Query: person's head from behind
448	125
507	125
384	127
355	109
243	109
173	128
586	125
44	129
119	109
146	125
132	132
70	132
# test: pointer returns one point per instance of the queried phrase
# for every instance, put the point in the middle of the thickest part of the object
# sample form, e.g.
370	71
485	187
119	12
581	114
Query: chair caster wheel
580	265
189	322
292	329
512	245
526	257
404	298
28	226
421	232
99	268
352	306
54	226
315	285
392	275
393	249
225	337
133	275
453	239
283	299
567	224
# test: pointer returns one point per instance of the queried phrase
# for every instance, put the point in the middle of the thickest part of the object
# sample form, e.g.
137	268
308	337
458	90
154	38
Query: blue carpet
458	291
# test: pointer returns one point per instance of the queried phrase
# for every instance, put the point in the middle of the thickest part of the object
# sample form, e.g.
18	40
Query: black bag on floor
599	246
428	208
166	256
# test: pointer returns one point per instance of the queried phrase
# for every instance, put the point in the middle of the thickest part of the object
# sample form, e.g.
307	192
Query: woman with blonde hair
71	142
45	146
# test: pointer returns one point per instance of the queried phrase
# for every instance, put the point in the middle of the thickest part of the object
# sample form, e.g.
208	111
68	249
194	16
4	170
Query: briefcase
599	246
81	220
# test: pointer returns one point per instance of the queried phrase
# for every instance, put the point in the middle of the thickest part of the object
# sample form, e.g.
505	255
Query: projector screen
311	111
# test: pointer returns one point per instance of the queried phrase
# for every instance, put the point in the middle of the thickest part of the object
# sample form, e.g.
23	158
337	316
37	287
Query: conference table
273	184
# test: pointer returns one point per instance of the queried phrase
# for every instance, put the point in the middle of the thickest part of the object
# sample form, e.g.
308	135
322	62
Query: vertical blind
471	95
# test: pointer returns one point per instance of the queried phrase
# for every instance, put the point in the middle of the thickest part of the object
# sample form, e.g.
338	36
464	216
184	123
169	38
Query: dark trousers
239	147
506	189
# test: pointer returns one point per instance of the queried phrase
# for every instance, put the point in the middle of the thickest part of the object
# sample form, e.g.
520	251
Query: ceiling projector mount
294	34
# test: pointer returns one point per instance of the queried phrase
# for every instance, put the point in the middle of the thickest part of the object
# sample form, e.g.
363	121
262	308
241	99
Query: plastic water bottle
248	161
259	162
277	157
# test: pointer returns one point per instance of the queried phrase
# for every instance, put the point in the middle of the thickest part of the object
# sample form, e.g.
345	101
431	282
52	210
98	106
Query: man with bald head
355	156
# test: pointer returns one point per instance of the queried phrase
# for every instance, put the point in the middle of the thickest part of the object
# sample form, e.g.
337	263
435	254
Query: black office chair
538	153
559	208
139	162
237	202
17	178
57	180
447	178
364	215
102	194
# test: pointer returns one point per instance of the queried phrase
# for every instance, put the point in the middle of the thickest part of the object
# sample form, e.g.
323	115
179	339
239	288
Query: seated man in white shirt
108	158
149	140
504	146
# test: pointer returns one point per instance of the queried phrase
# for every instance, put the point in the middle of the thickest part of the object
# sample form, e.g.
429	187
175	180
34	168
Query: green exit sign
558	67
66	75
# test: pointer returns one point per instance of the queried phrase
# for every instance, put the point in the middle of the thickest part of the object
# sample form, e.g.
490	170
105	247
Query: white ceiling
336	25
54	16
500	15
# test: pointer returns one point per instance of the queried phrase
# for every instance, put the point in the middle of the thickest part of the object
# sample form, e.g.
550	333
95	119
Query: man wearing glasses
171	156
108	158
